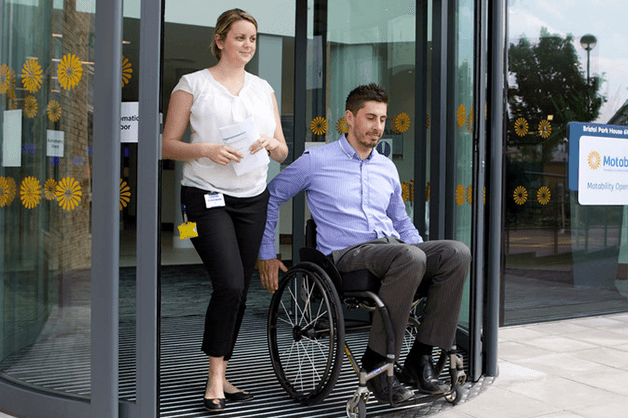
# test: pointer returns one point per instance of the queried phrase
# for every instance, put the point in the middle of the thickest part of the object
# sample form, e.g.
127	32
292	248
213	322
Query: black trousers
228	242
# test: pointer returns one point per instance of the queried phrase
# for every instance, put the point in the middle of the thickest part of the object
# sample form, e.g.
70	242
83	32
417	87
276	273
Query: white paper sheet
241	136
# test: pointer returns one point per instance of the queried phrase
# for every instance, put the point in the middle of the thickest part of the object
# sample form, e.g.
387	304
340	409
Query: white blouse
214	106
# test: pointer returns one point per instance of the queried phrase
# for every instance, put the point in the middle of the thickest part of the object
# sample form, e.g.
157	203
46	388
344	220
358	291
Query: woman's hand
221	154
264	142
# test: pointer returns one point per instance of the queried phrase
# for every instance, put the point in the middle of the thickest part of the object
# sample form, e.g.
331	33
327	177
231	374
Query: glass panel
364	45
562	259
46	99
128	193
465	113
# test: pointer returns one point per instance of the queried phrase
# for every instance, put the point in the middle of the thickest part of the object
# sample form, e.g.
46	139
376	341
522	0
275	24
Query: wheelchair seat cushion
359	281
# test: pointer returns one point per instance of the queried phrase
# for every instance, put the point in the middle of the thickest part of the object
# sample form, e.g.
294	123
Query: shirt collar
348	150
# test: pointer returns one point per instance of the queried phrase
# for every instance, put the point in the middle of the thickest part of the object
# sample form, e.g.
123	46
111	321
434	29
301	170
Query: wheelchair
306	332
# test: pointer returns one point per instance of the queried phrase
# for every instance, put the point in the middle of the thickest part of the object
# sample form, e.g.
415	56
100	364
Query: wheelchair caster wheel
359	411
455	396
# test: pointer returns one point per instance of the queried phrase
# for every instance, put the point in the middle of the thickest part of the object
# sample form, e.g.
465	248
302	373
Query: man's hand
269	273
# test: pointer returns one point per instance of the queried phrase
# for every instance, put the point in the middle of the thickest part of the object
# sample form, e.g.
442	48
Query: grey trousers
439	267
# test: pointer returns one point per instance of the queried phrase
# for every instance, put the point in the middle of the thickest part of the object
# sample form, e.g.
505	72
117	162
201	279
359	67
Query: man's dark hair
365	93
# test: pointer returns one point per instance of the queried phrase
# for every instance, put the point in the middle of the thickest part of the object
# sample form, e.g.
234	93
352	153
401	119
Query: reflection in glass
46	93
562	259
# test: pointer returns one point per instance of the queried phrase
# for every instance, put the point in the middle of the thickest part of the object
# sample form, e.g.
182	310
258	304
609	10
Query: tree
549	83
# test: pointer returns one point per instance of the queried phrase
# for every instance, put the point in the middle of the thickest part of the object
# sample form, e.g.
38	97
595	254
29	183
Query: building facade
477	128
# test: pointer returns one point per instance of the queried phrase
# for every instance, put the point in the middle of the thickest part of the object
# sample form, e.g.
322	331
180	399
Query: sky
605	19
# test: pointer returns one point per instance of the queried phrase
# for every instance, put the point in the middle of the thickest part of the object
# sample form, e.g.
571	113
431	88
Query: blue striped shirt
351	200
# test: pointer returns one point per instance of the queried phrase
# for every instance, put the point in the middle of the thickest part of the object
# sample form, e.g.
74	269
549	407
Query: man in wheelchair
354	195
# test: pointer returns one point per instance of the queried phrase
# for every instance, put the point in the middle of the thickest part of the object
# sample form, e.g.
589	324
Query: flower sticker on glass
68	193
32	75
30	192
401	122
53	110
7	191
521	127
428	121
319	126
520	195
469	121
70	71
405	191
7	80
545	129
461	115
342	127
461	194
543	195
127	71
49	189
125	194
30	106
470	194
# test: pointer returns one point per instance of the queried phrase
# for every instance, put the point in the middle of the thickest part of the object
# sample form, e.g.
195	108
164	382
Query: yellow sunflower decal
13	103
520	195
53	110
594	160
127	70
30	106
125	194
31	75
402	122
461	115
428	121
405	191
7	79
68	193
7	191
49	189
411	190
470	194
521	127
461	194
427	192
319	126
543	195
545	129
469	121
70	71
30	192
342	127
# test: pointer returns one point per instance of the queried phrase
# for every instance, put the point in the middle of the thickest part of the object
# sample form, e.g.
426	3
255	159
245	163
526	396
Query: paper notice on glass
241	136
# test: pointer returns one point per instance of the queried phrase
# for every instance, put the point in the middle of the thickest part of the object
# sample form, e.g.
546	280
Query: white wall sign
603	171
129	121
55	143
385	147
12	138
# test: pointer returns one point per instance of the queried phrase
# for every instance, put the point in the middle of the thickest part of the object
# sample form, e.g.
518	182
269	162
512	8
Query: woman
229	210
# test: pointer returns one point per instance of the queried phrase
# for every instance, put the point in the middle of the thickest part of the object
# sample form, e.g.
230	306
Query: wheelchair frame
306	333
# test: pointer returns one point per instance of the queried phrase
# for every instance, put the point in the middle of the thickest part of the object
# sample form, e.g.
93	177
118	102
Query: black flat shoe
239	396
211	406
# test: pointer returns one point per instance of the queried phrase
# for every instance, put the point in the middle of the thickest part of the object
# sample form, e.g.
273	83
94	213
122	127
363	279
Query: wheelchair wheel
408	340
306	333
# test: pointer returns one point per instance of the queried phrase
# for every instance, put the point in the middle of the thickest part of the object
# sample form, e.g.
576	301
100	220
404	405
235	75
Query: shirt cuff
267	252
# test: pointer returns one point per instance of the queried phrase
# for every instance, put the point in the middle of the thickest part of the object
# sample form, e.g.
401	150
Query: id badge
214	200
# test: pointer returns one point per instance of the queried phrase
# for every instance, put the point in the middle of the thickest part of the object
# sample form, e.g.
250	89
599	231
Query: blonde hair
223	24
